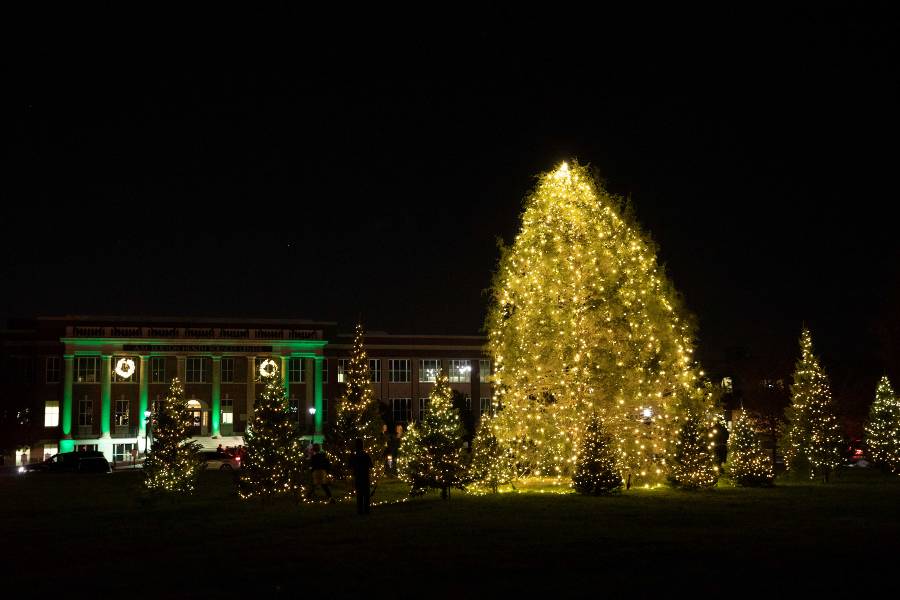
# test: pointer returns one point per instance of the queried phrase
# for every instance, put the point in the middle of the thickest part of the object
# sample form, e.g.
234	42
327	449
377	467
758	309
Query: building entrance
199	418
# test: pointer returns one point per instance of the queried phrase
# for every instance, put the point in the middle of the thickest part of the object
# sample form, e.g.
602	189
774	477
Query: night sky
339	171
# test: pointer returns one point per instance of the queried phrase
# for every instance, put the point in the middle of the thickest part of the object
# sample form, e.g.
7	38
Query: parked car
70	462
221	461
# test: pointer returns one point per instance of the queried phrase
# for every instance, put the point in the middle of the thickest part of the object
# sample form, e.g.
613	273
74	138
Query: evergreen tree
174	462
583	320
748	464
693	458
492	464
275	461
431	453
813	438
597	469
358	416
883	428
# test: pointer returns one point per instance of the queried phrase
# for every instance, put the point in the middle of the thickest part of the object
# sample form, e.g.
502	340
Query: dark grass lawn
90	535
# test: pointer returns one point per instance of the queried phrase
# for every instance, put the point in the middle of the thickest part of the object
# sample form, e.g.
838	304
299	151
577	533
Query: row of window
197	370
401	409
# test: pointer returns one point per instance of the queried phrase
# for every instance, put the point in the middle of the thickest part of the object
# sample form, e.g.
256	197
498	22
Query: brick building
86	382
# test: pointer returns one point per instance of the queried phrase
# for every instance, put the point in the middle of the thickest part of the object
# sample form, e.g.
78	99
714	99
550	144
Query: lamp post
312	414
149	439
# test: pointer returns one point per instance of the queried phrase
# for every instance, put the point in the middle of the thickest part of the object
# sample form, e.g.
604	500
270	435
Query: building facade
83	382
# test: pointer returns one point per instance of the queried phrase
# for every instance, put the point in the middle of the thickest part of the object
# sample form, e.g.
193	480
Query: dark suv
71	462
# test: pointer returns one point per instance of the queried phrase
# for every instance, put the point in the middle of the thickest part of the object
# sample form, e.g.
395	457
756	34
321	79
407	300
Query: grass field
90	535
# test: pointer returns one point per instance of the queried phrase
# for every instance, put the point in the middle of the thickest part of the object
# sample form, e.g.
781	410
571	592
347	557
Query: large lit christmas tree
358	416
813	439
174	463
883	428
492	465
583	321
274	462
748	464
597	467
431	453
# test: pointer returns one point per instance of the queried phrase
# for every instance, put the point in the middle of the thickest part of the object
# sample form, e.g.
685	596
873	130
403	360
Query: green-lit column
67	444
216	415
105	393
143	397
285	375
317	375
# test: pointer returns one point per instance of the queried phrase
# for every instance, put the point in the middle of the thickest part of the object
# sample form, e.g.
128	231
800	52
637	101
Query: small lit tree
358	416
748	464
275	462
492	464
174	462
693	458
597	466
883	428
431	454
813	437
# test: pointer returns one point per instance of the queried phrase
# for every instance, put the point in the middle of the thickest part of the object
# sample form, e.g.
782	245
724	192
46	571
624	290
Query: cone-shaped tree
174	462
492	464
748	464
883	428
813	437
358	416
597	468
692	457
431	454
275	461
583	320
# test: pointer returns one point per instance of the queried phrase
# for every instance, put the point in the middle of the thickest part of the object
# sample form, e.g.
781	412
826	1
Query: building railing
193	332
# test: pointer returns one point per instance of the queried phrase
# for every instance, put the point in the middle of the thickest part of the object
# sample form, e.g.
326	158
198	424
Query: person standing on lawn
361	463
320	466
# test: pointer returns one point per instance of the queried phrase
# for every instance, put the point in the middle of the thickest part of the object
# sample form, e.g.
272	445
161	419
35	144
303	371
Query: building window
295	370
116	378
85	412
51	413
122	410
122	452
227	370
294	406
324	371
87	369
50	450
484	370
460	371
468	403
428	370
374	370
423	408
158	369
342	369
399	370
52	372
400	407
485	406
227	410
196	370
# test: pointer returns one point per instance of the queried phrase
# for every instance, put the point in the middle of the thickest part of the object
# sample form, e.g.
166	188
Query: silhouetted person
361	463
320	467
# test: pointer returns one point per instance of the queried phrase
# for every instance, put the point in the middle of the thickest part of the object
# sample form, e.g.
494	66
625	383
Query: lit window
428	370
122	411
51	413
343	363
460	371
122	452
484	370
227	410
